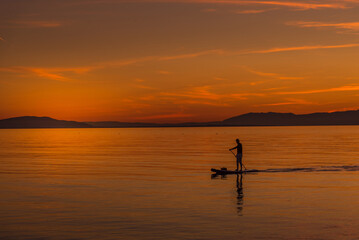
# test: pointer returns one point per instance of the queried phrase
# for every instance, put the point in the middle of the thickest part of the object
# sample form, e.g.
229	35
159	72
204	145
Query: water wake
351	168
310	169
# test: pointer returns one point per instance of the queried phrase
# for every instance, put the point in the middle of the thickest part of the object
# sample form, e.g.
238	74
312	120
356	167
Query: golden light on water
137	183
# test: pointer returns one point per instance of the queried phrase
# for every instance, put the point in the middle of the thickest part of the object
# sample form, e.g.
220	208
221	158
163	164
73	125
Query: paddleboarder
239	153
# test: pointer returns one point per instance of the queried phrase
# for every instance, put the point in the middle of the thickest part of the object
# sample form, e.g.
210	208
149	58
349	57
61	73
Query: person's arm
232	148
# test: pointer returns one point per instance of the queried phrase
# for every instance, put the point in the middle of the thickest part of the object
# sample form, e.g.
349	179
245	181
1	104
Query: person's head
237	140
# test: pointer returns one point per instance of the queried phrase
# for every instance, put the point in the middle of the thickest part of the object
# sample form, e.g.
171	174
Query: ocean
156	183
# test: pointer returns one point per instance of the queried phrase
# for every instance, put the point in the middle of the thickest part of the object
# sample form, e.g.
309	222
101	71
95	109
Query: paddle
236	158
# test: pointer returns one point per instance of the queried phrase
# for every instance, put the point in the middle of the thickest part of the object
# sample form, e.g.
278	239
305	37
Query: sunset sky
177	60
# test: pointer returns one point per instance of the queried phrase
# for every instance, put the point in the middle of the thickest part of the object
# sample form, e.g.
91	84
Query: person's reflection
240	193
239	189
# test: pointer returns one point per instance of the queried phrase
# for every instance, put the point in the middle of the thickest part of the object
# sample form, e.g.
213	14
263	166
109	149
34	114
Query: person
239	153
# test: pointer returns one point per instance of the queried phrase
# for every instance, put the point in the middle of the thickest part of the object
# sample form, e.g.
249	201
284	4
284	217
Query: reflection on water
154	183
239	189
239	181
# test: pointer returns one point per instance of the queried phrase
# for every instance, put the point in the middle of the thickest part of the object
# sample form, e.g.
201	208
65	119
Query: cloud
205	93
191	55
2	39
156	58
298	5
271	75
49	73
274	88
337	89
141	86
288	4
163	72
216	52
140	80
34	24
197	102
350	26
195	93
209	10
58	72
302	48
345	109
260	73
121	63
254	11
134	61
223	53
165	116
289	102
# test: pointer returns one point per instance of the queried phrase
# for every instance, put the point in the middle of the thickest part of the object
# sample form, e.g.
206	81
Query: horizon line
187	122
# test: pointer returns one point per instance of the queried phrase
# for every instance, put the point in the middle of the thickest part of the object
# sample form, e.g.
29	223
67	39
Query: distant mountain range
40	122
290	119
249	119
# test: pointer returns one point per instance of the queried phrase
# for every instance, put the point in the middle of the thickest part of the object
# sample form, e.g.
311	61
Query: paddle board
225	171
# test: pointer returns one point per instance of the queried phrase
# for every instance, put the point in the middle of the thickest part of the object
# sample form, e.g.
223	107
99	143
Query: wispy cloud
165	116
302	48
202	92
201	102
191	55
254	11
336	89
301	5
121	63
209	10
57	74
142	86
205	93
34	24
298	5
139	80
157	58
46	73
219	78
218	52
271	75
289	102
344	109
350	26
163	72
274	88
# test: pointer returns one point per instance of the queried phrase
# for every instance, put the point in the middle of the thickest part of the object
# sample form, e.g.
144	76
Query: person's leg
240	161
237	158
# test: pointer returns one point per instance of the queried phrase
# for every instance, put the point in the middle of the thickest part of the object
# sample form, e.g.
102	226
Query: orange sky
176	60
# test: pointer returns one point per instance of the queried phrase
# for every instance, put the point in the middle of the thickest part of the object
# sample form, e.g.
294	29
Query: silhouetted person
239	193
239	153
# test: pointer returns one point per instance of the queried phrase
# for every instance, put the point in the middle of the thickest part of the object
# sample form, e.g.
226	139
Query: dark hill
290	119
249	119
40	122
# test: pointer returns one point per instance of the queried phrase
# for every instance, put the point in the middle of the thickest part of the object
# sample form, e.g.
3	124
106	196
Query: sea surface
156	183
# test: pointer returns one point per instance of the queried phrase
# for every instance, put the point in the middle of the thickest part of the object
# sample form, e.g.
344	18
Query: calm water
155	183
